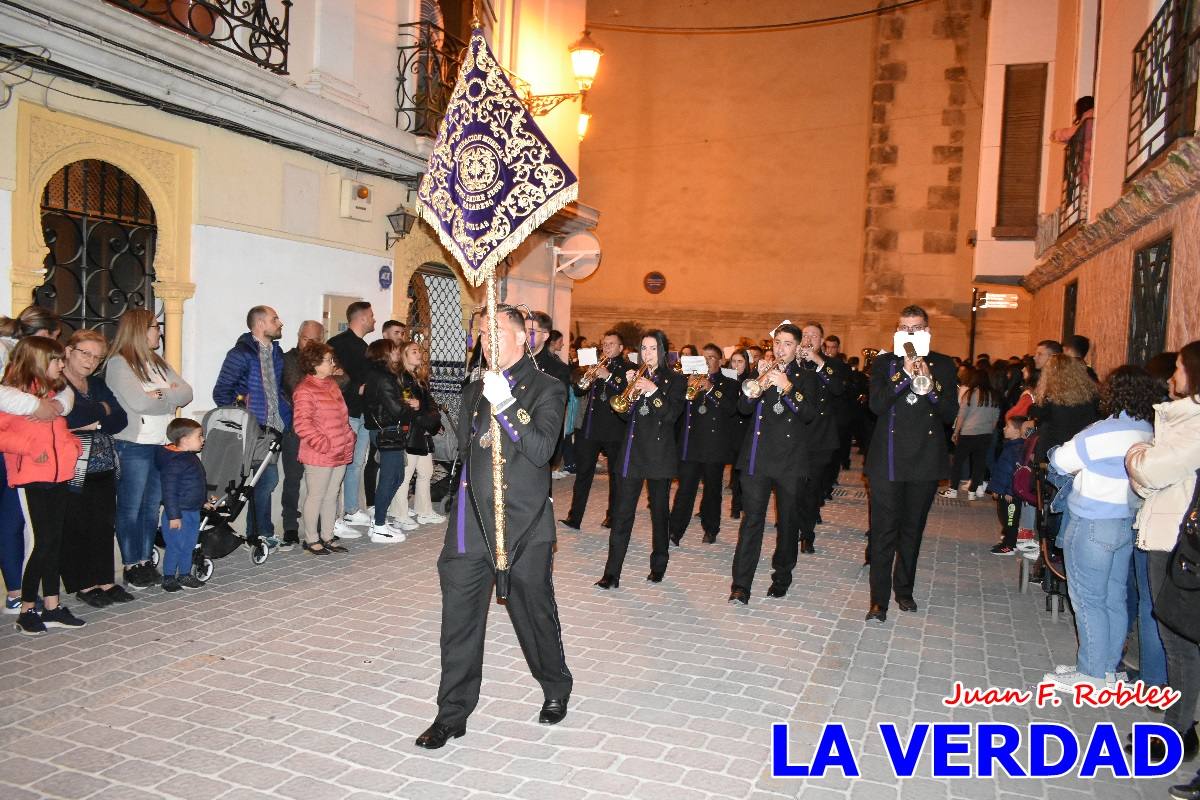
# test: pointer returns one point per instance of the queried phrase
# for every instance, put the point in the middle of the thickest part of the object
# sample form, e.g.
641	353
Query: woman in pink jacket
322	425
40	458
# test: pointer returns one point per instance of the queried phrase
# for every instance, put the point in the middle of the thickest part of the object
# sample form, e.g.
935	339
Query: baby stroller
236	453
445	464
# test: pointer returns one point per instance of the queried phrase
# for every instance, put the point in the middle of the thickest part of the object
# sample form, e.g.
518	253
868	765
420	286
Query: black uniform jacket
600	422
529	430
909	443
704	435
775	437
830	391
554	366
648	448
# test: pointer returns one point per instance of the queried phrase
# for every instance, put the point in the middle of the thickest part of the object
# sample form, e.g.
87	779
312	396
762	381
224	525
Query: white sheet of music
587	356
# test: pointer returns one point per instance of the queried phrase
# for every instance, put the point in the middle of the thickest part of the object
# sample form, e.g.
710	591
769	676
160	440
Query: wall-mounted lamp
402	222
585	60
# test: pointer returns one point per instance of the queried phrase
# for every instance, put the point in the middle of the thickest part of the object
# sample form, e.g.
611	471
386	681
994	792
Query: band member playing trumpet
704	447
779	402
601	430
914	392
650	405
822	433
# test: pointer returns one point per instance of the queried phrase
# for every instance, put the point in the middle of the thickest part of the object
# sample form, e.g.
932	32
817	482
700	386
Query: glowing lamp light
584	118
585	60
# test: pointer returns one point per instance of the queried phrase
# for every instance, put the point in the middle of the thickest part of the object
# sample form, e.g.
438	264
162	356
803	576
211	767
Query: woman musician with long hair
650	405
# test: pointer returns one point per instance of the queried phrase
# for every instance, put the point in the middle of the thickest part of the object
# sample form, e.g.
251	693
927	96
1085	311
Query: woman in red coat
40	458
322	425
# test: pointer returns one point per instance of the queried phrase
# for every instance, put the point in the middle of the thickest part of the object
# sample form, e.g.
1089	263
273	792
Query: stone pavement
309	678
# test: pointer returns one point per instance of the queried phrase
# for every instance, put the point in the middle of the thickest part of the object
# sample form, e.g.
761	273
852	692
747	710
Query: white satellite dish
578	255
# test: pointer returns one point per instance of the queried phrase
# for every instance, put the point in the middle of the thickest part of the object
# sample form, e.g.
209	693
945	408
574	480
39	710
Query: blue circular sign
385	277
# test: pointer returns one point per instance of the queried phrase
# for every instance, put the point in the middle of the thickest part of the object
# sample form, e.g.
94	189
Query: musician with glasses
601	430
651	403
914	392
779	402
821	439
711	403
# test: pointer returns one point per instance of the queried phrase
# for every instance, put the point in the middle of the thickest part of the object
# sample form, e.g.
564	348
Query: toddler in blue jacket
184	494
1008	505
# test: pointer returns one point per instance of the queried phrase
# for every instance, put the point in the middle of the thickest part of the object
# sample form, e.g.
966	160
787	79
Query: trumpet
587	378
695	385
621	403
754	387
921	382
868	357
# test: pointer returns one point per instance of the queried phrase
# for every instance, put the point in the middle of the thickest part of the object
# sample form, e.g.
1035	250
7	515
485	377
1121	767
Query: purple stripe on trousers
462	505
754	443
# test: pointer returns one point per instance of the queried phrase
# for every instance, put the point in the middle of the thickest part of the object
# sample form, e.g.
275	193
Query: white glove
497	391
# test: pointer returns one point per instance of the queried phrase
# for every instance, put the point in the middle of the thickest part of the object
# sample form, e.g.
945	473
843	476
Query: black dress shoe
709	538
608	582
569	524
739	595
777	590
676	539
437	734
655	577
806	546
906	603
553	711
607	522
877	612
1186	791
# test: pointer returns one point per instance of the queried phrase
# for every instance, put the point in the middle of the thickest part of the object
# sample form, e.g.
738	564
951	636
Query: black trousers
975	450
690	475
623	513
756	494
89	529
845	440
47	505
735	489
370	474
810	493
586	453
293	476
1009	512
467	583
899	510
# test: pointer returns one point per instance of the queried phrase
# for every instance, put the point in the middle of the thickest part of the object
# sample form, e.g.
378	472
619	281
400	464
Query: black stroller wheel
259	553
203	570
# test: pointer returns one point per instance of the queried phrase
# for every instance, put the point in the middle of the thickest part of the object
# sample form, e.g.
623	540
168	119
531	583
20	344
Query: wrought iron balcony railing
1076	167
247	28
1162	91
426	71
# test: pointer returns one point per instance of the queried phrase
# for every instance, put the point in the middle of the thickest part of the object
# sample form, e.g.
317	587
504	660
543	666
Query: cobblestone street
309	678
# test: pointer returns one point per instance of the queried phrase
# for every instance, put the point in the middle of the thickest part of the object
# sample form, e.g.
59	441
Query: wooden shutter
1020	151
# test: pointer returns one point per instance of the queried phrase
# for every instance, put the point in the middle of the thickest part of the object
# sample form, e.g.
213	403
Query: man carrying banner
530	406
492	179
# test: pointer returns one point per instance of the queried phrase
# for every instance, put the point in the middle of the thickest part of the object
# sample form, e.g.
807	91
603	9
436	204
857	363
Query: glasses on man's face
910	328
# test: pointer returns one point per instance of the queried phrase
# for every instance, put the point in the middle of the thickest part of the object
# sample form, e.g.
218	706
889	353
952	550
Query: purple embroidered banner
493	177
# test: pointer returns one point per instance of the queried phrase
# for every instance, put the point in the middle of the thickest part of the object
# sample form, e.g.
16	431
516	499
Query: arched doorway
435	320
100	231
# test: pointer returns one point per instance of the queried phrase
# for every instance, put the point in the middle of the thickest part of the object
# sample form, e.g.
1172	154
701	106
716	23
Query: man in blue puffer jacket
253	372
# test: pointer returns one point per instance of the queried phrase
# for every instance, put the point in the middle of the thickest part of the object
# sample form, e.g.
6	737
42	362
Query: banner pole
497	455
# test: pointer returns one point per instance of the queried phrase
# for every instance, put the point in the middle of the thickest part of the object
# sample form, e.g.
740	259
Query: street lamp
585	60
402	222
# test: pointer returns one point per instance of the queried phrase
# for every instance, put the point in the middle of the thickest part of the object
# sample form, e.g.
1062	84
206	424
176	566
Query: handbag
393	438
1177	604
1024	481
420	443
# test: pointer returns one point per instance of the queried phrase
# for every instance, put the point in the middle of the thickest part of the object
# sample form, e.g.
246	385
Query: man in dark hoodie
252	374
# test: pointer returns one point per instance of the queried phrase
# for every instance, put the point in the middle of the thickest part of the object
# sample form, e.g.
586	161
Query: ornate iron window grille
1149	301
100	229
426	70
244	27
1074	207
1162	91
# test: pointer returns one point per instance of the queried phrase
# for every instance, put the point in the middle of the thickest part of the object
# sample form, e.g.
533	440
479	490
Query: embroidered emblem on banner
522	416
493	176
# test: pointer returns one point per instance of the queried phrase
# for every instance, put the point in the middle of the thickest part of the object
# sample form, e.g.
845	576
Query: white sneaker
408	525
951	494
359	517
343	530
430	519
559	474
1031	555
982	490
385	534
412	513
1065	669
1067	681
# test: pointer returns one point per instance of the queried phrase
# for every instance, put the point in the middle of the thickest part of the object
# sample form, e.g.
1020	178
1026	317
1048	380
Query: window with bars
1149	301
